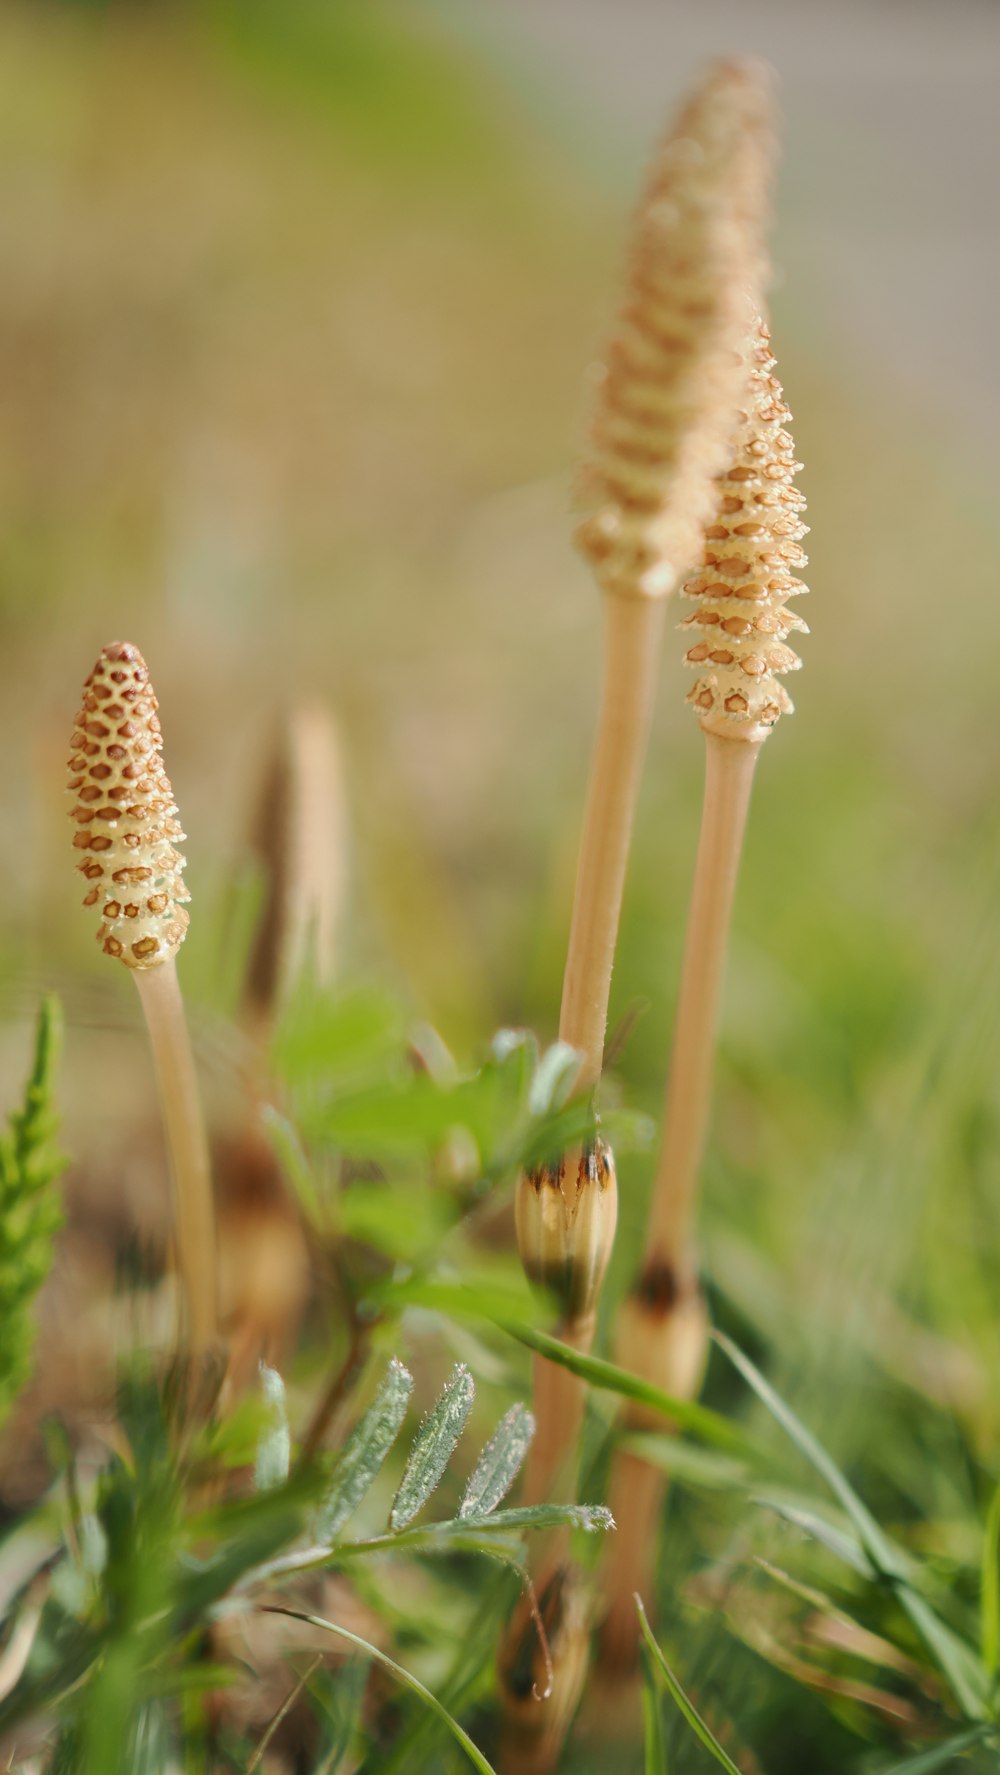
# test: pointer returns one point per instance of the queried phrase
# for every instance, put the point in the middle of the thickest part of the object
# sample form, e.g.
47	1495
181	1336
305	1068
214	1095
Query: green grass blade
955	1660
883	1556
653	1739
843	1546
365	1450
710	1426
941	1756
404	1677
687	1708
990	1589
499	1464
433	1446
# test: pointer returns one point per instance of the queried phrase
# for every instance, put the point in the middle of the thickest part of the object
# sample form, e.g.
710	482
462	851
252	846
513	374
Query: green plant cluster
30	1207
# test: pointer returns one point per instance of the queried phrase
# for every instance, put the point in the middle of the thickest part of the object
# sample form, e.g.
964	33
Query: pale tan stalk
299	838
633	628
729	770
663	1335
187	1143
561	1407
738	632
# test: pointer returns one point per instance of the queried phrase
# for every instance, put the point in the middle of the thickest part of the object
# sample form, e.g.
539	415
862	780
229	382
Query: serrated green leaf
365	1450
274	1448
433	1446
499	1464
698	1726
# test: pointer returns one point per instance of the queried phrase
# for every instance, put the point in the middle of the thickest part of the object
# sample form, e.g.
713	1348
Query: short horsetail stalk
673	379
299	839
737	644
126	833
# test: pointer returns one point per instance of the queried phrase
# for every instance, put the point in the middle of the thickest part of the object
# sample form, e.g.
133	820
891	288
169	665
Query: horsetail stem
126	827
673	379
752	551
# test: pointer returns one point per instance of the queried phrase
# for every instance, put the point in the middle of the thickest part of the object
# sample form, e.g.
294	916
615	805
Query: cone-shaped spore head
124	814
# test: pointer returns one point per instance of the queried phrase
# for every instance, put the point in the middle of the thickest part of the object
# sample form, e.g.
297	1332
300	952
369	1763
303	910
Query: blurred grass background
297	304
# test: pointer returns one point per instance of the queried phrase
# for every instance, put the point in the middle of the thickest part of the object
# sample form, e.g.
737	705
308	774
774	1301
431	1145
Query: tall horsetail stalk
738	632
672	380
126	827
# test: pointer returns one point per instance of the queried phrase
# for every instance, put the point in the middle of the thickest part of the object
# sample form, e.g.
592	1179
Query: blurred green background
297	308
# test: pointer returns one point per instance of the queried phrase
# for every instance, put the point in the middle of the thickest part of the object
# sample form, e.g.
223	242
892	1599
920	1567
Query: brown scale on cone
673	375
124	814
737	633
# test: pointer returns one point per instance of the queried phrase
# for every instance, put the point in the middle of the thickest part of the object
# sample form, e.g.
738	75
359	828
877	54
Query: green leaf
484	1298
274	1449
498	1534
686	1463
592	1518
953	1657
405	1677
341	1040
710	1426
433	1446
990	1589
687	1708
499	1464
554	1076
295	1167
365	1450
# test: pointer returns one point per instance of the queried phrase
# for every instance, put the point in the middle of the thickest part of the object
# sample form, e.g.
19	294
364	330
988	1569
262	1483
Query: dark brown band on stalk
661	1287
